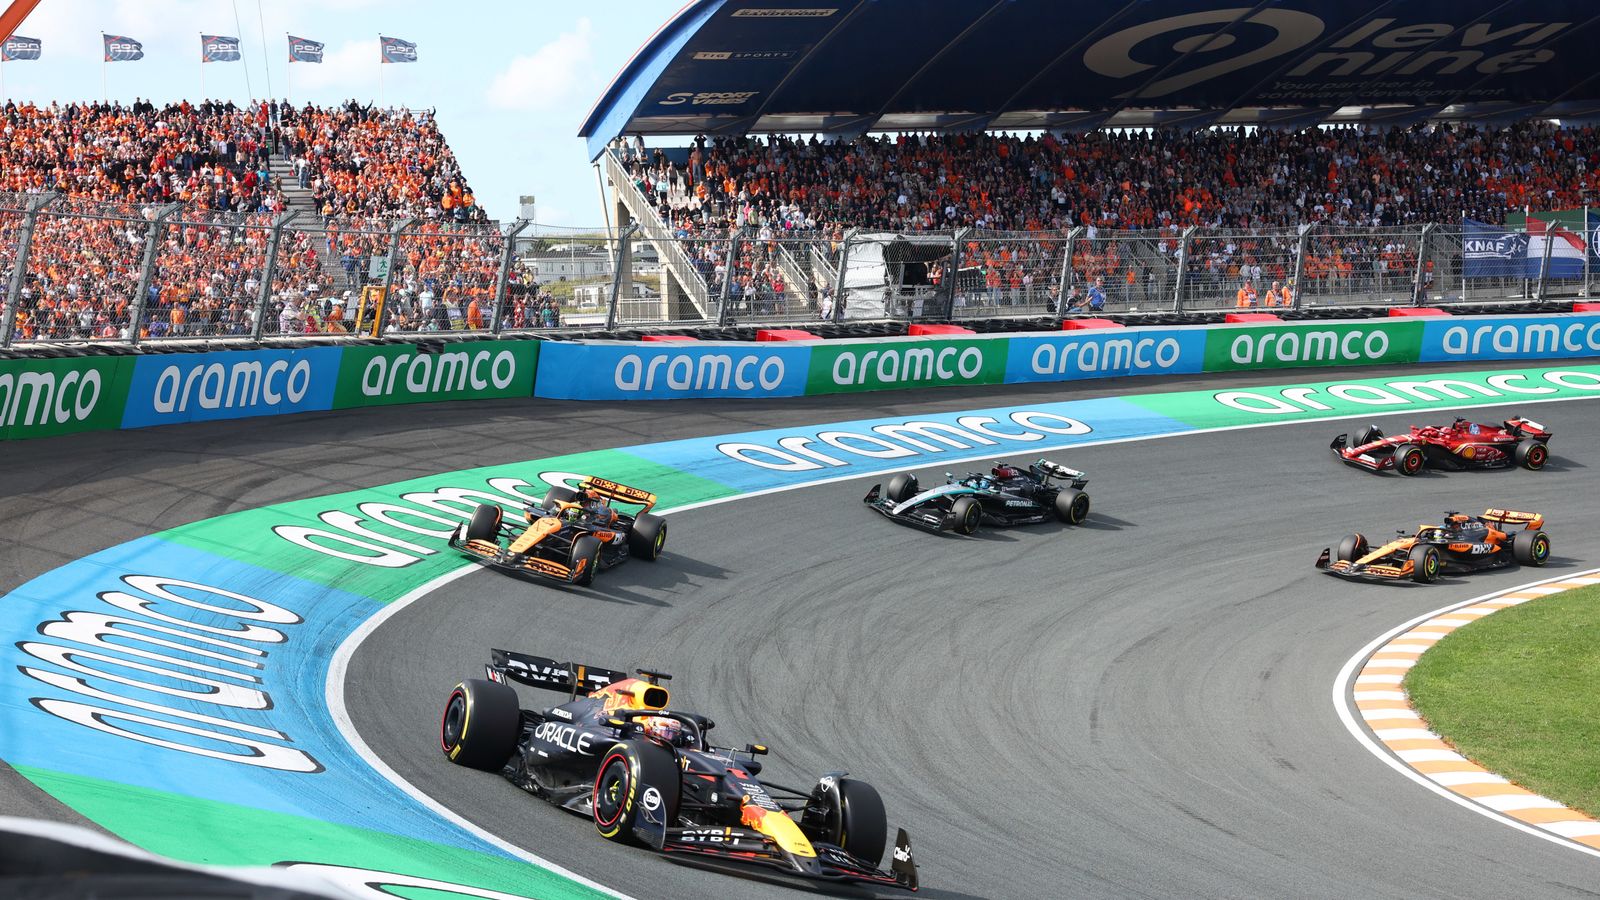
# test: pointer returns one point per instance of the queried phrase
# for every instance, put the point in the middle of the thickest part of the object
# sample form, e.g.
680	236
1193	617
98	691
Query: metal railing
78	271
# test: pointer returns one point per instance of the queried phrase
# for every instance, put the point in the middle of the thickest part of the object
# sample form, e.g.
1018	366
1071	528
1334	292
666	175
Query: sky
512	81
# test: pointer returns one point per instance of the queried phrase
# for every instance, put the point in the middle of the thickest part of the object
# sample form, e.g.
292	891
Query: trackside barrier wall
45	397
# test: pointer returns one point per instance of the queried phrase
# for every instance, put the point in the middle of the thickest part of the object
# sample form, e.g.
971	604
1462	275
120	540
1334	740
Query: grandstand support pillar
268	271
147	269
724	314
839	280
1301	248
1416	277
622	255
1544	262
1183	267
1066	271
19	270
394	256
497	320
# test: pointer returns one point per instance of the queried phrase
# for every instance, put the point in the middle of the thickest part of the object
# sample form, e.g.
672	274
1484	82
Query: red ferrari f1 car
1459	445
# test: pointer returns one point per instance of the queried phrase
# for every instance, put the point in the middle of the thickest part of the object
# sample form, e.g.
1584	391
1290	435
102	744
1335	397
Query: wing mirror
756	749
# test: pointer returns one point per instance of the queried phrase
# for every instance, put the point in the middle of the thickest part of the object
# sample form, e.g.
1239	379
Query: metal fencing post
1183	267
394	255
497	320
724	313
957	238
19	271
616	274
1300	251
147	269
839	279
1066	271
268	271
1588	248
1416	277
1544	262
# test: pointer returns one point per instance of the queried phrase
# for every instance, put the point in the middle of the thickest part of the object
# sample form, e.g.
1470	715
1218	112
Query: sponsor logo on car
567	737
739	55
805	12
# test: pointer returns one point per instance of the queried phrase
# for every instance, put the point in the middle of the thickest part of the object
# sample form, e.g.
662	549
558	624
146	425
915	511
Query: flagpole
380	71
202	68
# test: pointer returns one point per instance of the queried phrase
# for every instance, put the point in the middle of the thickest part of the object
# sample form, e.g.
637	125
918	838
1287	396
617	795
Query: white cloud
550	76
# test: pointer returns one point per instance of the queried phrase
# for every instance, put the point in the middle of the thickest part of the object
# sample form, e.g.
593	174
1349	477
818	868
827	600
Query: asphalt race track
1136	707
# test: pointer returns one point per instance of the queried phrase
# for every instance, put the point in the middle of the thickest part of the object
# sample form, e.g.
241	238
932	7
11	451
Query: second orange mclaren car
1461	544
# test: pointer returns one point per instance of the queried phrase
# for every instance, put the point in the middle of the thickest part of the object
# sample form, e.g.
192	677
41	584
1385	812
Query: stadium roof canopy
850	66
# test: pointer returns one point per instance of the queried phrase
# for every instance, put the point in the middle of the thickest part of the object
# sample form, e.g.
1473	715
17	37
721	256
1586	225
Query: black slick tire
1352	547
559	494
1425	563
1409	459
1531	454
1072	506
485	524
585	559
480	723
902	487
647	537
968	512
1366	436
635	778
1530	548
849	814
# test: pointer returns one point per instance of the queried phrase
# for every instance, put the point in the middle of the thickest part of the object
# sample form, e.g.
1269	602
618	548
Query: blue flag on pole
218	48
1489	251
121	48
304	50
18	48
397	51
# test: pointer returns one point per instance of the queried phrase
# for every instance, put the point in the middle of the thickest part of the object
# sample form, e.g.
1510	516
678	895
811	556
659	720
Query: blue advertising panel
1510	337
1069	356
579	371
198	387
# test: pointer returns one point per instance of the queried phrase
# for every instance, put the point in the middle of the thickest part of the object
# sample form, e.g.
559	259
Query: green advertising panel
407	373
44	397
904	363
1287	346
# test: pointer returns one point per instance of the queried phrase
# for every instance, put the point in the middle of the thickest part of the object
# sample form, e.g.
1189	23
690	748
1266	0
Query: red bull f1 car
1459	445
1460	545
648	775
570	536
1006	495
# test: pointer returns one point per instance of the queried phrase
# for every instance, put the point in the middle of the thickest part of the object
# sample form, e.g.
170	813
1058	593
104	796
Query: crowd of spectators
206	169
1155	182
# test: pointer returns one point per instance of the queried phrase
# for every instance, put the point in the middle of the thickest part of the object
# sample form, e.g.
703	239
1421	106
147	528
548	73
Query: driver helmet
666	730
1004	471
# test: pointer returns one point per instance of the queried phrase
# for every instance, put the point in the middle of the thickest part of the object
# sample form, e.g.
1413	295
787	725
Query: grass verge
1518	692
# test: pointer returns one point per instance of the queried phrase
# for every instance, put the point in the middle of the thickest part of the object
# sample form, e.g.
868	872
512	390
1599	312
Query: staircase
674	259
300	200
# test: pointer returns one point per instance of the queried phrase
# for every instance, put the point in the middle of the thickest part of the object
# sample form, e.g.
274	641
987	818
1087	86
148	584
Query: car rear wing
620	493
1045	470
542	672
1528	520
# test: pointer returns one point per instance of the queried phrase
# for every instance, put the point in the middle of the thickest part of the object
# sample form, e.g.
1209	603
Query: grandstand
1117	162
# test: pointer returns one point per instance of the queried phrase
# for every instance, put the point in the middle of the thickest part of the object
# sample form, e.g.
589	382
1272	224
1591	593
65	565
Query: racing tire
850	816
647	537
1352	548
1530	548
1072	506
585	550
902	487
480	724
1425	564
485	524
1409	459
636	778
1365	436
559	494
1531	454
968	512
